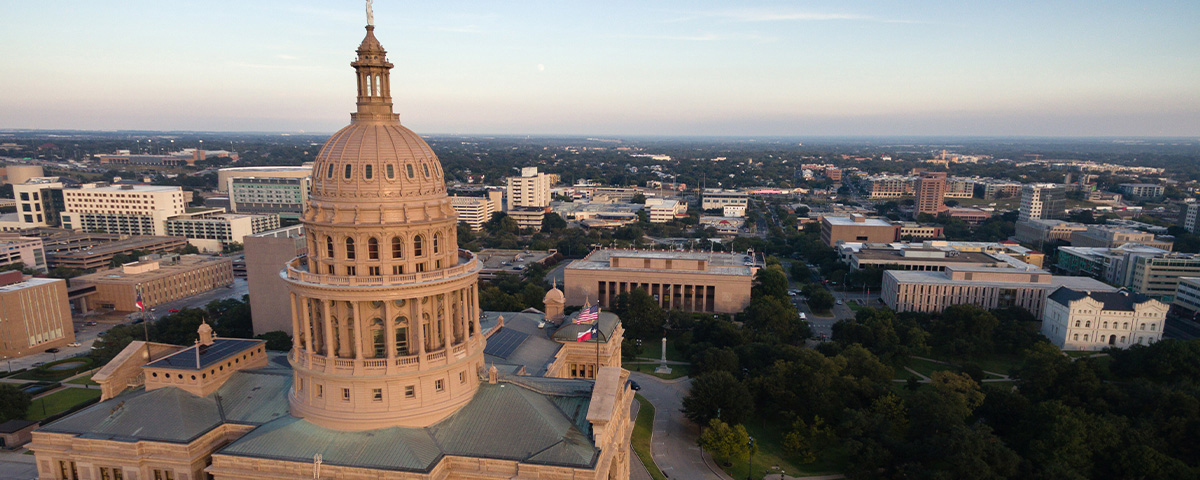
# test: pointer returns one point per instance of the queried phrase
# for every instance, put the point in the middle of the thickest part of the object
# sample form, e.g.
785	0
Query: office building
1142	191
28	251
733	211
531	189
160	279
476	211
1188	213
986	287
857	228
1040	232
662	211
938	255
1086	320
1158	275
960	188
1042	201
931	193
121	209
268	195
14	174
211	230
266	253
890	186
1187	298
34	314
226	175
992	189
39	202
915	231
87	251
186	157
719	199
1110	236
691	281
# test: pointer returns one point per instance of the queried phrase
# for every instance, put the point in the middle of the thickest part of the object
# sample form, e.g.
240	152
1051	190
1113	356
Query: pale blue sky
1084	68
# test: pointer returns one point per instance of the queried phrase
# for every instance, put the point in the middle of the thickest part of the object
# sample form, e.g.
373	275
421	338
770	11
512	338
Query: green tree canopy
717	392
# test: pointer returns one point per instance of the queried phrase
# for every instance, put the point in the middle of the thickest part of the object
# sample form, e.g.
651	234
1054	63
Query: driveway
674	443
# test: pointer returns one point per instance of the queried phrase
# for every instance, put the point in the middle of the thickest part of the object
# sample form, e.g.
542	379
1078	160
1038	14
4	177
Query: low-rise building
160	280
986	287
1109	236
916	231
662	210
1042	231
1142	191
513	262
529	218
28	251
1189	216
992	189
971	216
1158	276
718	199
857	228
938	255
679	280
890	186
724	225
210	230
34	314
734	211
87	251
269	195
476	211
1086	320
958	187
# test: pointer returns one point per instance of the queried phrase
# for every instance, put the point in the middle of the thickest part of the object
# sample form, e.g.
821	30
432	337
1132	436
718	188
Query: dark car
52	350
90	323
634	386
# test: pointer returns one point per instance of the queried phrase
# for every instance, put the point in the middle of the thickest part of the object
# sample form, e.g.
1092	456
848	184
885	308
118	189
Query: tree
638	198
725	442
964	331
770	281
715	392
552	222
641	315
65	272
800	272
501	223
277	340
819	300
188	249
13	402
774	320
716	359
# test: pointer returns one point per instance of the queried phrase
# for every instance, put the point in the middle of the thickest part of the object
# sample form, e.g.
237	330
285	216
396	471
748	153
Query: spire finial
370	14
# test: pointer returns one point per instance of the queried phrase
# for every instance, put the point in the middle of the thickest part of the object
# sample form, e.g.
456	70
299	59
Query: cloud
758	16
284	56
707	37
541	67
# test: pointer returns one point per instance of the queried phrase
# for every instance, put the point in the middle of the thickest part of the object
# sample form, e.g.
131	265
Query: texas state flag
586	334
140	305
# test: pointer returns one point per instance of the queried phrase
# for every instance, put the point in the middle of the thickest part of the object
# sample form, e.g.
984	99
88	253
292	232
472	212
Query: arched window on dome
349	171
349	248
411	173
401	336
329	247
397	248
437	237
418	245
372	249
426	165
391	172
368	171
377	342
330	171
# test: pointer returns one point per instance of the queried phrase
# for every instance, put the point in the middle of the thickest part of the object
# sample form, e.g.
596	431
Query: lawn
1001	203
653	350
643	427
769	438
1001	364
59	401
677	371
85	379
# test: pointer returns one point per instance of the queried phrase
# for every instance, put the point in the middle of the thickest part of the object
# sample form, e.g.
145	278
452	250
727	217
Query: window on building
1143	326
391	172
377	394
1088	324
462	377
1153	327
349	171
1076	336
439	385
373	271
67	470
1077	323
411	174
349	248
368	171
351	270
418	245
164	474
320	391
346	394
330	171
410	391
397	269
401	336
329	247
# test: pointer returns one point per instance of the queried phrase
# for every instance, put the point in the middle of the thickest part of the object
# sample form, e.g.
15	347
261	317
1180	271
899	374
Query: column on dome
444	319
327	339
343	327
360	329
419	327
309	331
296	331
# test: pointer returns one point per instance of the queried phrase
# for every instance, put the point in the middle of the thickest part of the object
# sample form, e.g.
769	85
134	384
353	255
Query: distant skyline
1048	68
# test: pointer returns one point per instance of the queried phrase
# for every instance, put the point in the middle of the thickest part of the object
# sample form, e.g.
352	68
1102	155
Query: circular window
222	368
400	302
155	374
377	304
203	375
193	377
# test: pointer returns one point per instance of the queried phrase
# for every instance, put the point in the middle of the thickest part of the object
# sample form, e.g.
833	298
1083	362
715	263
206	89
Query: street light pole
750	468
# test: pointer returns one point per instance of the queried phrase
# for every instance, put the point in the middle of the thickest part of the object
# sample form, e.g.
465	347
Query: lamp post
750	468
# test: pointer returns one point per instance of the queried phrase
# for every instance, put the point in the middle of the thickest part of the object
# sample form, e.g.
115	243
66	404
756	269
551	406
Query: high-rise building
1042	201
931	192
531	189
1188	216
123	209
39	202
476	211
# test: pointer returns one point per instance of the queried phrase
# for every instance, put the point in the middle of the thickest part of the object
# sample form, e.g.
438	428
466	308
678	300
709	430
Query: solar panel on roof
504	343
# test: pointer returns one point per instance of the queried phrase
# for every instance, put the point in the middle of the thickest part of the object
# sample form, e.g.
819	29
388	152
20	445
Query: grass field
654	350
85	379
772	459
677	371
642	429
59	401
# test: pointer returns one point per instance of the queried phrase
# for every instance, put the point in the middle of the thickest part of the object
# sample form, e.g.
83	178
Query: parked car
90	323
74	344
173	310
803	316
839	302
52	350
634	386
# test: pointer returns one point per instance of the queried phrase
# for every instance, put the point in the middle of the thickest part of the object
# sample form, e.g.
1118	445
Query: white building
1142	190
476	211
1042	201
29	251
121	209
1085	320
717	200
269	195
1187	297
734	211
663	211
531	189
1188	213
212	230
225	175
36	202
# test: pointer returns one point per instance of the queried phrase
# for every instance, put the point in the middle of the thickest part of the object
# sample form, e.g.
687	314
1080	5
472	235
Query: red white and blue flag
587	334
588	314
141	306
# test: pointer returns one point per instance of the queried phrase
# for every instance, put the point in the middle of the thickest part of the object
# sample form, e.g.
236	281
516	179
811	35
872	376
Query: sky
740	68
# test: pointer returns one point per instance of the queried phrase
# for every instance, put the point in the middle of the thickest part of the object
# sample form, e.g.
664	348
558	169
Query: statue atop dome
370	13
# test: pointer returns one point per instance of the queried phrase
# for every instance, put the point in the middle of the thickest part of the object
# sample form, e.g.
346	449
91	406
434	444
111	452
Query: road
85	335
674	443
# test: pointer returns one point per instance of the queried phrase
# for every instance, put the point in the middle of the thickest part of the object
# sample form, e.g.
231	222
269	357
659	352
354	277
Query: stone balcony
297	270
384	366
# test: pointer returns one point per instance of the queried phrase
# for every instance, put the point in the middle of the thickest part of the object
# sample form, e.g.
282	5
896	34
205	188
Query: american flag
588	314
141	306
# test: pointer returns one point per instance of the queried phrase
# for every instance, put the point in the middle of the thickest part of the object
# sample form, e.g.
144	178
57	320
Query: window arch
349	248
426	165
329	247
372	249
1087	324
411	173
1105	324
349	171
1125	325
391	172
330	171
397	248
1077	323
368	171
418	245
377	342
436	243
